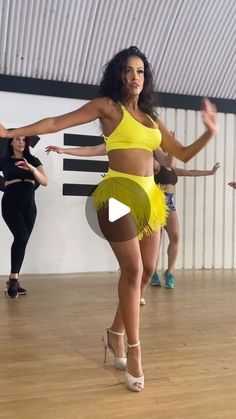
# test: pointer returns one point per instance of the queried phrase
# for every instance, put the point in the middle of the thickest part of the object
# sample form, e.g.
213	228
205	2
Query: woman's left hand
215	168
23	164
209	115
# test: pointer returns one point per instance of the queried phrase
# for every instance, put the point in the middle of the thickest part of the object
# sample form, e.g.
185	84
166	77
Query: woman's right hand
232	184
209	115
56	149
3	132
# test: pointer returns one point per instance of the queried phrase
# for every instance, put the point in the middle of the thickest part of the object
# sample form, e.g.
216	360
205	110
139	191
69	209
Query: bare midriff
133	161
10	182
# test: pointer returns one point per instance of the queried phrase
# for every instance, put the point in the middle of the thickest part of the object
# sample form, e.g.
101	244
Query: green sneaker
169	280
155	280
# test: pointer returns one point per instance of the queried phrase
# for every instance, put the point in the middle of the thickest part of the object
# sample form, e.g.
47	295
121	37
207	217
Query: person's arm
185	172
2	183
40	175
156	166
186	153
93	110
97	150
165	159
232	184
38	172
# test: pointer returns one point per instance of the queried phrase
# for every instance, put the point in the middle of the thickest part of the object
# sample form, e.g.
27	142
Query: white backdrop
63	242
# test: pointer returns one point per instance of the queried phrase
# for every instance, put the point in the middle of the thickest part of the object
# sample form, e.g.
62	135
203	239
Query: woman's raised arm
186	153
87	113
96	150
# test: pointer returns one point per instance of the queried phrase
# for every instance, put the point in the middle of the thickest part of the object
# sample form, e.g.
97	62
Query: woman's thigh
122	237
172	226
149	248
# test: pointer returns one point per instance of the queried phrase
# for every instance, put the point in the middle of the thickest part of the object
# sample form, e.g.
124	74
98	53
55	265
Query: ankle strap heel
134	383
134	345
115	333
120	363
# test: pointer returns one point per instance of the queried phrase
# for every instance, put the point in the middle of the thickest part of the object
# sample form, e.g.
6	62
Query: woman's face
133	76
18	144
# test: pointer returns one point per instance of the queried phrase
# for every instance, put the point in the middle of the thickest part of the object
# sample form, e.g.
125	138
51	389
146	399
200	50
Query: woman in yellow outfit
132	132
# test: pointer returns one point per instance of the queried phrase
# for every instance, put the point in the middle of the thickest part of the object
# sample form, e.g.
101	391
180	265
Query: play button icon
115	221
116	210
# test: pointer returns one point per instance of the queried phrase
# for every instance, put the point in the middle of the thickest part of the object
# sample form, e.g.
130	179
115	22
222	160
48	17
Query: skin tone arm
185	172
101	109
185	153
165	159
160	160
232	184
97	150
38	172
87	113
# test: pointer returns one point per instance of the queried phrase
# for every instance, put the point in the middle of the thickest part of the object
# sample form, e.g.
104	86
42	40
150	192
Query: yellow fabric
132	134
149	214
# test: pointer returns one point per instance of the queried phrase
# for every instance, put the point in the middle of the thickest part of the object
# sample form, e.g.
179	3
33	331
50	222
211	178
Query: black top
166	176
11	171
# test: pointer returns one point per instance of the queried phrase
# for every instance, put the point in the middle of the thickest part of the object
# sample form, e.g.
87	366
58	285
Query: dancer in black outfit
21	171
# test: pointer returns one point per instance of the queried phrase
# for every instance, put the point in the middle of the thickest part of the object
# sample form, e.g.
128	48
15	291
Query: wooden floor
51	360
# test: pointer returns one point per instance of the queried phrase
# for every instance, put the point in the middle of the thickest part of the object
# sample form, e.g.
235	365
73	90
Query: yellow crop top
131	133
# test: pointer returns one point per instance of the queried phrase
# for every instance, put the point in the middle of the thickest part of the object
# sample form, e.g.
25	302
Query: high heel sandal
120	363
134	383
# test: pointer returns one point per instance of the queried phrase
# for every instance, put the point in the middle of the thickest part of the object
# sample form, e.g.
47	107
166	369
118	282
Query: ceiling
191	44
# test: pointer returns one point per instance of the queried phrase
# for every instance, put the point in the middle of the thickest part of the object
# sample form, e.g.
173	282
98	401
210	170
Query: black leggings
19	213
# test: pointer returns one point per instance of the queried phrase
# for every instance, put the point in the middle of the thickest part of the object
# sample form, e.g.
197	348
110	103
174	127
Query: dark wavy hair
26	152
112	85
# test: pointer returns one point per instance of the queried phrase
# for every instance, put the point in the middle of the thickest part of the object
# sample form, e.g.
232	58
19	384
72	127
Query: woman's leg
127	314
17	226
149	248
128	255
172	229
20	222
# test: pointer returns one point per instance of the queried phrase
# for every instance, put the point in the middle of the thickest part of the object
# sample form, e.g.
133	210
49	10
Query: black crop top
166	176
11	171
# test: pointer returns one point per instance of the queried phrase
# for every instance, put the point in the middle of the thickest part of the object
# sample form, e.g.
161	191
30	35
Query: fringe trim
148	208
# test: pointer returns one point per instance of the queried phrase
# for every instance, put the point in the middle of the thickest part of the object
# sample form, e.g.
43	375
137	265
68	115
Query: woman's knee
148	271
20	242
132	272
174	238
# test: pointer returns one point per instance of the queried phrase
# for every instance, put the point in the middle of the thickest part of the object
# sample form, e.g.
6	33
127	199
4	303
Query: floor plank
51	363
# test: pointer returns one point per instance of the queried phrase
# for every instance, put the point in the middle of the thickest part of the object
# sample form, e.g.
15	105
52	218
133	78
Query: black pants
19	213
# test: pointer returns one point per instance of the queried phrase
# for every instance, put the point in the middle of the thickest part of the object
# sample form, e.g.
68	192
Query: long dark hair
26	152
112	85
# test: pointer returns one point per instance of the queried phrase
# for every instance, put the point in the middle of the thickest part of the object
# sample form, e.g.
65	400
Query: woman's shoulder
109	107
4	162
107	102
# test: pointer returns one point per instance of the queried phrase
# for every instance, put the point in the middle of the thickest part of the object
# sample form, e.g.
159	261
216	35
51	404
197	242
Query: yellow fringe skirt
145	199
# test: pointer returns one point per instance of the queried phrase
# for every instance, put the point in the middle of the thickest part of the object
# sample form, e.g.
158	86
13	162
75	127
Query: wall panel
205	205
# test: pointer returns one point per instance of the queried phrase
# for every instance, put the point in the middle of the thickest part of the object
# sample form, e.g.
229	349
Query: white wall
62	241
205	205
